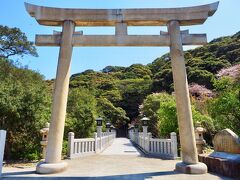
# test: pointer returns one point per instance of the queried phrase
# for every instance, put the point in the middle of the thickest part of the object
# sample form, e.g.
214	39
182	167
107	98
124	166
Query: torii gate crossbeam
173	18
124	40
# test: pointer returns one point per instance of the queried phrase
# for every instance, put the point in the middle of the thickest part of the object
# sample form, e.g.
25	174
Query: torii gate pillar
190	162
53	163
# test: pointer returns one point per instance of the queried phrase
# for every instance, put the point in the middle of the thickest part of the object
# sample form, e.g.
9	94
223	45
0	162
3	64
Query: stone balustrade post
2	147
99	131
146	143
145	131
136	135
149	136
101	142
145	137
96	142
70	144
173	136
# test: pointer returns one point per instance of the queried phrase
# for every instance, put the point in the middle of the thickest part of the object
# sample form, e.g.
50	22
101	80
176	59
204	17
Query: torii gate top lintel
121	19
133	17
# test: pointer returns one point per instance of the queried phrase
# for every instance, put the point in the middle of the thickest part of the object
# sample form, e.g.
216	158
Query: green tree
24	109
161	109
111	69
163	81
150	108
114	96
136	71
110	113
225	108
81	113
14	42
202	77
133	93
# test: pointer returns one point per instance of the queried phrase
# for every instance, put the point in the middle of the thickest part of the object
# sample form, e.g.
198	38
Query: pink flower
199	91
232	72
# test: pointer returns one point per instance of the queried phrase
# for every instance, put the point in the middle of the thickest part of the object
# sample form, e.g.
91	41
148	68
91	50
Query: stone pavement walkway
117	162
122	146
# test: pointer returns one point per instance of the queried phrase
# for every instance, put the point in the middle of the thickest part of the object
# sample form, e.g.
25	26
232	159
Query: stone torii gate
173	18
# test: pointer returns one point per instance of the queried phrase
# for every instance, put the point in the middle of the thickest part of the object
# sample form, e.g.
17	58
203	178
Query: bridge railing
106	139
88	146
164	148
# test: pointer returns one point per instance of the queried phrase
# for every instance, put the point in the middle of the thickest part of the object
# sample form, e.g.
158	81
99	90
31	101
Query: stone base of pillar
199	168
51	168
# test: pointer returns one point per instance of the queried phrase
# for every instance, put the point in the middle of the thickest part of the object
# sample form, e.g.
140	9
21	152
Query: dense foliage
161	109
124	89
225	108
202	63
24	109
81	113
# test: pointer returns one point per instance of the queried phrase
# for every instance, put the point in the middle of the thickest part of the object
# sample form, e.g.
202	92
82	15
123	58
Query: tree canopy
25	102
202	63
14	42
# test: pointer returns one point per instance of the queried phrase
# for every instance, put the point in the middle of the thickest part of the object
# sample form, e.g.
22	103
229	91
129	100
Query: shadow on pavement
140	176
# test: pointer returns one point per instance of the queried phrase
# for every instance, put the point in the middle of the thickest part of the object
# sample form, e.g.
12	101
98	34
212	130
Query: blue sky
226	21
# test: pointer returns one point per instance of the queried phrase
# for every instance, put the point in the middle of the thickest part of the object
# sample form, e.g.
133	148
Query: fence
2	146
164	148
87	146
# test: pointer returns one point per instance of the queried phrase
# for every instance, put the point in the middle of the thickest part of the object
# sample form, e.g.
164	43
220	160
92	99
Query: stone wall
225	160
221	166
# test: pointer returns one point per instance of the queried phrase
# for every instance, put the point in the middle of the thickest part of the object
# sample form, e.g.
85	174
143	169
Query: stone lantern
145	121
200	142
108	126
44	132
99	126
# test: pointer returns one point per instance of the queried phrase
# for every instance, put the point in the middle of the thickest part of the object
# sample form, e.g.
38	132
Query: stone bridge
120	160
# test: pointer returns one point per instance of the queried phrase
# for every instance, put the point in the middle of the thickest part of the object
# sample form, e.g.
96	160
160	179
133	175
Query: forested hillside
202	63
126	87
120	95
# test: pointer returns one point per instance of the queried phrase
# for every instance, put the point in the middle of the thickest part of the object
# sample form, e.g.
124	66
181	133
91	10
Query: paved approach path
122	146
120	161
